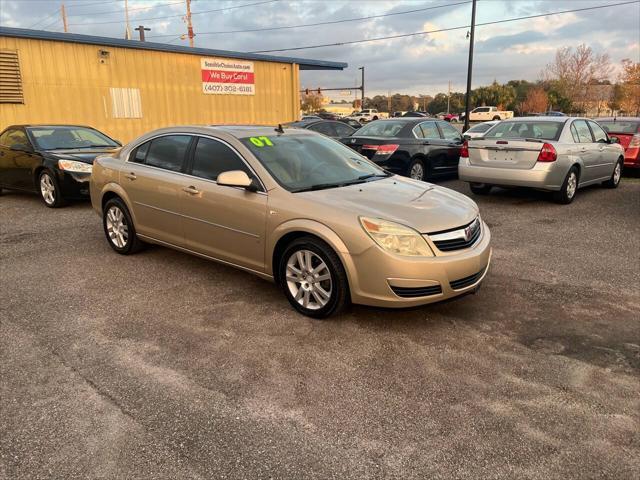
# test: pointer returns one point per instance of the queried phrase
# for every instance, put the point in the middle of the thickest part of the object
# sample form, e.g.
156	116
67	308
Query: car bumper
632	162
546	176
380	279
74	185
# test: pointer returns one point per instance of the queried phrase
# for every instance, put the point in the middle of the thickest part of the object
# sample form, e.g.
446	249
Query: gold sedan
293	206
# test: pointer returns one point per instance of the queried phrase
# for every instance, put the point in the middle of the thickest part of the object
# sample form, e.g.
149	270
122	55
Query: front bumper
545	176
375	274
74	185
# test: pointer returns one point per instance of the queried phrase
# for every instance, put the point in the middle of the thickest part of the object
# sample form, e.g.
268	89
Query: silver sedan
559	154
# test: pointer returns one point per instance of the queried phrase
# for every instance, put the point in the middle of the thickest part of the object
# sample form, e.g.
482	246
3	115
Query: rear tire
49	190
616	176
313	279
417	170
480	188
119	229
567	192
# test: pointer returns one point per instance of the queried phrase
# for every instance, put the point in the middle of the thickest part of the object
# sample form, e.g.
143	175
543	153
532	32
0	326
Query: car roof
542	119
49	125
615	119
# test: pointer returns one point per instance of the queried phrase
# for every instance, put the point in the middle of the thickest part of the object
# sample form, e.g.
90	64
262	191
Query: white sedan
479	130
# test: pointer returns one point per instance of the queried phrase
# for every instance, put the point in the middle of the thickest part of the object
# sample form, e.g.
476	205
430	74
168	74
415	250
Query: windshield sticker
261	141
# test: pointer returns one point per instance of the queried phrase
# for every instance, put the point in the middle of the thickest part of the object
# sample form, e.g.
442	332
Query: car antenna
279	128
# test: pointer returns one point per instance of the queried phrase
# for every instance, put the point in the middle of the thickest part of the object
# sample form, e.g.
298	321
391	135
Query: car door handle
130	176
191	190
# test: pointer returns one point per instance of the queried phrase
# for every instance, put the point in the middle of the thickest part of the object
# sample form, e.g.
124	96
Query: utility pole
127	31
362	89
467	101
141	30
449	98
63	12
389	101
187	18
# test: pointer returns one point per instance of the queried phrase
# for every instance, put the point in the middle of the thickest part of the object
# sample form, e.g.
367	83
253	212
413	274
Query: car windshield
526	129
301	162
385	128
56	138
620	126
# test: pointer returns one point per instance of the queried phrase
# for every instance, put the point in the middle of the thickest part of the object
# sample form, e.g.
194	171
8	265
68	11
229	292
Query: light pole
469	68
362	90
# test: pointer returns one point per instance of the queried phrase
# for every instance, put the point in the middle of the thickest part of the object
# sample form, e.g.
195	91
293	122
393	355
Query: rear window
527	129
620	126
382	129
483	127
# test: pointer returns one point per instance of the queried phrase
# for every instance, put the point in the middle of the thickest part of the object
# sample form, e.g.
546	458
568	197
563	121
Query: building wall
70	83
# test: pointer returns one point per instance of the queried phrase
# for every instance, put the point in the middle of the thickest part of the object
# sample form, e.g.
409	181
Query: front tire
313	278
480	188
49	189
614	181
567	192
119	228
496	117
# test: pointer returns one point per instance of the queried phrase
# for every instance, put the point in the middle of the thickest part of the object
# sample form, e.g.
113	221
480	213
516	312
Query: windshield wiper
319	186
323	186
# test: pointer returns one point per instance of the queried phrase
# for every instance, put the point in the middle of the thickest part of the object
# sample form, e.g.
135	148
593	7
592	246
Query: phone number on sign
220	88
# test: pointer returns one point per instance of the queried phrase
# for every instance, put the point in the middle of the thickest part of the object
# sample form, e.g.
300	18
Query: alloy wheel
47	189
617	173
117	227
309	279
572	184
417	172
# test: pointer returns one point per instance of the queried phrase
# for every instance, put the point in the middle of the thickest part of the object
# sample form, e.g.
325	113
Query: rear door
227	223
153	178
453	142
587	150
434	147
608	153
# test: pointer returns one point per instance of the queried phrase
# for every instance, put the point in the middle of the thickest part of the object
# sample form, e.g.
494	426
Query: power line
427	32
55	12
176	16
332	22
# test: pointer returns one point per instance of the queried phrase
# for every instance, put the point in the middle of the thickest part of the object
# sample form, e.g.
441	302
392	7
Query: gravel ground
163	365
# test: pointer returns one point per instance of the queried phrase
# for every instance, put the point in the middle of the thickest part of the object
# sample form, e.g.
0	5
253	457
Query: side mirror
236	178
21	147
466	137
614	140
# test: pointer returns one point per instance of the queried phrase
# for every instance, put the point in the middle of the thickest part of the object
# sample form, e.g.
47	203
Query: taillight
548	153
464	151
635	141
382	149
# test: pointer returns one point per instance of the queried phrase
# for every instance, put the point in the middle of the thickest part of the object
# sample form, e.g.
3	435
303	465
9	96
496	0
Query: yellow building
127	87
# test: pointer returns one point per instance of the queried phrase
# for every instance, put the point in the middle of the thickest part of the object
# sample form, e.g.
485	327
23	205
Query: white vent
10	79
126	103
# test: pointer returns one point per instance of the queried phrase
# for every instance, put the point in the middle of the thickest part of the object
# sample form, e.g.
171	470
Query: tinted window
448	132
429	130
598	133
168	152
582	131
343	130
526	129
140	153
12	138
384	128
482	109
620	126
211	158
324	128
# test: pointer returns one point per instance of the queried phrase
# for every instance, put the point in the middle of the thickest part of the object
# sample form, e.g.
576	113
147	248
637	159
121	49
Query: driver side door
223	222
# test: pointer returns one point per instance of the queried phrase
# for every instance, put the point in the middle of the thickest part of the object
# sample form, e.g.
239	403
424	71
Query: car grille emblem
353	140
467	233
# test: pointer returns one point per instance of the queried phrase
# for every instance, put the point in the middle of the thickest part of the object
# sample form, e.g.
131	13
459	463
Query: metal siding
66	83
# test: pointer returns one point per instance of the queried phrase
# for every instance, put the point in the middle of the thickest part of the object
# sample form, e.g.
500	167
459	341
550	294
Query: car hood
423	206
86	155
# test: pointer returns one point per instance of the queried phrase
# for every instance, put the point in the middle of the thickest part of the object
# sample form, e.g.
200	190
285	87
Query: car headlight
396	238
75	167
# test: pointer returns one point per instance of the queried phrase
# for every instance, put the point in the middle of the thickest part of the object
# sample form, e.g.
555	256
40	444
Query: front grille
466	281
457	239
413	292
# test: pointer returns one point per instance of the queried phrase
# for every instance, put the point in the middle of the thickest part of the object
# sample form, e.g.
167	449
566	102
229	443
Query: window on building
10	78
126	103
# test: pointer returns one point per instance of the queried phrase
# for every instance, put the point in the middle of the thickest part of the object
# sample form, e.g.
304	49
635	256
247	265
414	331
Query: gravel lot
163	365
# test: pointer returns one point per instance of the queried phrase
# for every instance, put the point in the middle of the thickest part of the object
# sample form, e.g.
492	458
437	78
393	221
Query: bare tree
577	70
311	102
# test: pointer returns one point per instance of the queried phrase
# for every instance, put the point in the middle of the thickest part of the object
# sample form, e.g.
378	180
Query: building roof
304	63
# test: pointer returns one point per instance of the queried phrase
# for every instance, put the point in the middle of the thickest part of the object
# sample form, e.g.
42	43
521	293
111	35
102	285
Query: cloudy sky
415	64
